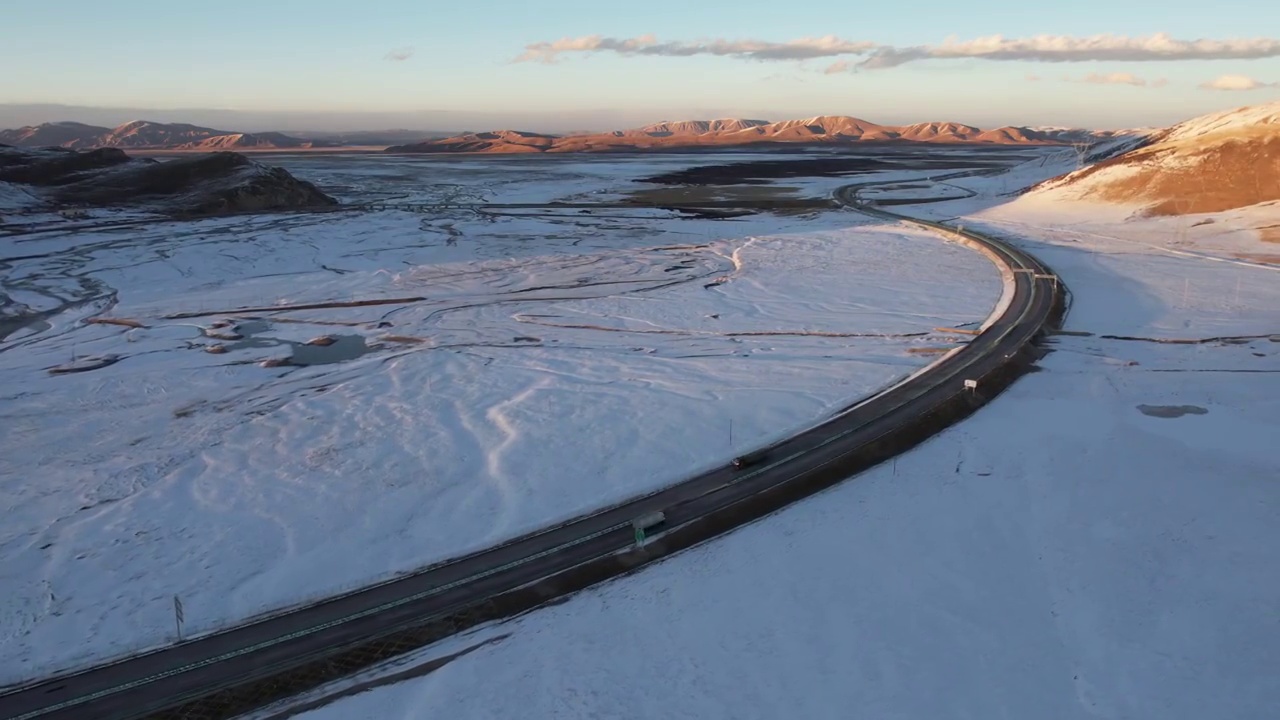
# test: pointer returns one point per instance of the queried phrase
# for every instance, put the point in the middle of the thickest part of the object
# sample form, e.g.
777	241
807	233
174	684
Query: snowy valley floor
1100	542
1059	555
515	371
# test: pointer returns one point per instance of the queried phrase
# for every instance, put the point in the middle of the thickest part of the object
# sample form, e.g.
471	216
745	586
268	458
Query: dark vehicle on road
745	461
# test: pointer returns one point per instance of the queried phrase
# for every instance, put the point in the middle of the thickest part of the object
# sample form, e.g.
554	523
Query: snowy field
1100	542
479	376
497	178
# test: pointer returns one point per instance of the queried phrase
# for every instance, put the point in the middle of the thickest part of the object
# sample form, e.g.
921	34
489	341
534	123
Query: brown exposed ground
1260	258
695	134
1225	176
1219	162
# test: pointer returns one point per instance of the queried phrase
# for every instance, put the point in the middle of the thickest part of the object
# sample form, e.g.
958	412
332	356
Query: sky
560	65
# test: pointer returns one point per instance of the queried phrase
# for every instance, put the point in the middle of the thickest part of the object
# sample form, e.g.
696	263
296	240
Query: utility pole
177	616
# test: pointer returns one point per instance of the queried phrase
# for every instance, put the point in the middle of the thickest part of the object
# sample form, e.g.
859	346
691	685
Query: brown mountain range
735	132
673	135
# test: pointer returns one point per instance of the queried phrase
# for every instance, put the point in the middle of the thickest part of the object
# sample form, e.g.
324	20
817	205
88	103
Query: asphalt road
145	684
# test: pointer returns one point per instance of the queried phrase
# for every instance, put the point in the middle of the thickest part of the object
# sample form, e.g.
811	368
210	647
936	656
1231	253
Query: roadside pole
178	616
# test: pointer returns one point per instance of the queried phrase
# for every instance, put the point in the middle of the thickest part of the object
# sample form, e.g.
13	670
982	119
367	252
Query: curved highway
230	672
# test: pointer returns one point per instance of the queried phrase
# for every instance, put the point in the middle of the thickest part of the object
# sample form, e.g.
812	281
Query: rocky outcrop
207	184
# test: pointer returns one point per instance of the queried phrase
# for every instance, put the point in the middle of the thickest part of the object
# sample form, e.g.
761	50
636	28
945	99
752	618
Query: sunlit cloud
874	56
399	54
802	49
1237	82
1063	48
1115	78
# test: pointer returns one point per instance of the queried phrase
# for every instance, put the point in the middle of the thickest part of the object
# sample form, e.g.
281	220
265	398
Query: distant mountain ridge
698	127
731	132
55	134
674	134
146	135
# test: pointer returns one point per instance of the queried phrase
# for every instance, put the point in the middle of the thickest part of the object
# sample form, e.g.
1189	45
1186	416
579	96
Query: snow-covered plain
1100	542
518	370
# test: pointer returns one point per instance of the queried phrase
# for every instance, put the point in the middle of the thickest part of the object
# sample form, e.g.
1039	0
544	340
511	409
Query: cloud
1236	82
1040	48
789	78
549	52
399	54
801	49
1115	78
1063	48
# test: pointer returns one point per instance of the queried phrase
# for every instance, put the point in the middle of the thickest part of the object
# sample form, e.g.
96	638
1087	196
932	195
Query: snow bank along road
232	671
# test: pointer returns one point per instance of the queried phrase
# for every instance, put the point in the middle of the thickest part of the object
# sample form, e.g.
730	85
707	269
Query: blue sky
330	56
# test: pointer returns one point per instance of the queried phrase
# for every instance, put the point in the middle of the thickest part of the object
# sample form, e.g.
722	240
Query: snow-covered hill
1212	163
700	127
